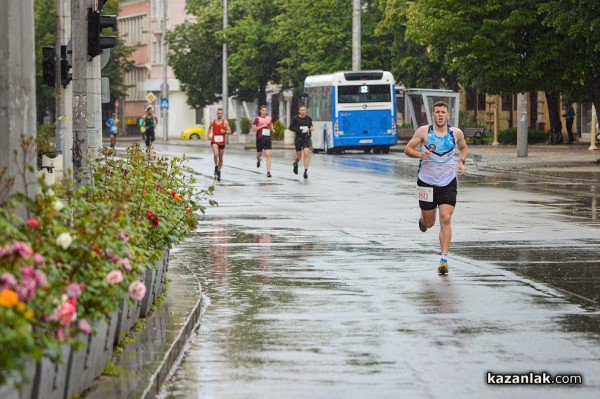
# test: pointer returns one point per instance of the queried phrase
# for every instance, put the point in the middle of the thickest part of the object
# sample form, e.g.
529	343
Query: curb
147	360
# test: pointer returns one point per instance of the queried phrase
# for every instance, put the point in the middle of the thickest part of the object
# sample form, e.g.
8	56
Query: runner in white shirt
436	185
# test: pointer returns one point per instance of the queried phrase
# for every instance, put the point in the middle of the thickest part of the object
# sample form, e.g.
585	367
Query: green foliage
246	125
45	139
232	124
467	119
278	130
509	136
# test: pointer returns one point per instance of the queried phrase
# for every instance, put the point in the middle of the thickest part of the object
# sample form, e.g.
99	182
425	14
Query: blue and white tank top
439	170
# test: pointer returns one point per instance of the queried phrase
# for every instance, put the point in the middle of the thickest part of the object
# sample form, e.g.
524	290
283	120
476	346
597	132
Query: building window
131	28
157	52
132	79
506	102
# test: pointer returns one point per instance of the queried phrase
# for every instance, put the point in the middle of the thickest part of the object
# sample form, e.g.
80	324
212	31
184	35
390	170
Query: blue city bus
352	111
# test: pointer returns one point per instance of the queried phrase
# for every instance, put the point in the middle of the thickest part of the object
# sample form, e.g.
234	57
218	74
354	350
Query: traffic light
96	22
48	66
65	75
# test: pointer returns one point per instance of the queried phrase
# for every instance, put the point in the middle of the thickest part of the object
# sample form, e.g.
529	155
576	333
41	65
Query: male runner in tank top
437	174
302	126
216	134
263	126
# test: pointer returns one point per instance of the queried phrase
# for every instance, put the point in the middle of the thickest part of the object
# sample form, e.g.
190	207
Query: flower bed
80	249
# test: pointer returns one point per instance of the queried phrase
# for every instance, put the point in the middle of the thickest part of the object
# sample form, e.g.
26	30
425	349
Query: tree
195	53
497	47
577	23
410	60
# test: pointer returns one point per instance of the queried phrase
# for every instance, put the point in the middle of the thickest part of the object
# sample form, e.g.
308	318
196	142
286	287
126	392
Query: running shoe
218	175
268	174
295	168
306	174
258	163
422	226
443	267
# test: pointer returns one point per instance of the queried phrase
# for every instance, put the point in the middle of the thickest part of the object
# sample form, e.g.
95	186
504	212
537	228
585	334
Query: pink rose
59	333
7	281
73	290
125	263
42	281
123	236
21	249
64	313
137	290
26	290
38	258
114	277
84	326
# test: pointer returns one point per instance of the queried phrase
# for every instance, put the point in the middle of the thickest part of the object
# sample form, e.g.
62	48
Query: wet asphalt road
325	288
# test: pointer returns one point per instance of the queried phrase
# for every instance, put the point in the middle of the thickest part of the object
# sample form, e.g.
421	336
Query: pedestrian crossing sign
164	103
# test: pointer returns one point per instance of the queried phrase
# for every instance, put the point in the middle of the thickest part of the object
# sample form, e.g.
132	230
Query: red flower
97	250
33	223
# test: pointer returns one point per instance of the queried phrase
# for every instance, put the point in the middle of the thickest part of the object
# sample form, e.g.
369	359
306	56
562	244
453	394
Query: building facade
142	25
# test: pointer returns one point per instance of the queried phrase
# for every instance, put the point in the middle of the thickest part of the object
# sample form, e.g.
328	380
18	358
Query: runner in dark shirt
302	125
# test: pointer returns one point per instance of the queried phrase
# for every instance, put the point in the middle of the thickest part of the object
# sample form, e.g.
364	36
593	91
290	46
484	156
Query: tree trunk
262	93
553	102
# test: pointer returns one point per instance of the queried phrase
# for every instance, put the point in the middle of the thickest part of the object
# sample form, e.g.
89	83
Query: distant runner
217	132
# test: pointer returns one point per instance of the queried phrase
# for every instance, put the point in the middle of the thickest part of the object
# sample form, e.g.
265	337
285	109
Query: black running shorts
302	141
221	147
441	195
263	144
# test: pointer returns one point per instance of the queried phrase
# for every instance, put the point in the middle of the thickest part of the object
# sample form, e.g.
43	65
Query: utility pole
356	10
522	116
64	95
165	84
225	82
17	85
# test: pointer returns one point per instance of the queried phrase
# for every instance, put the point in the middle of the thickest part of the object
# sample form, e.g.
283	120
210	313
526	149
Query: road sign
150	97
164	103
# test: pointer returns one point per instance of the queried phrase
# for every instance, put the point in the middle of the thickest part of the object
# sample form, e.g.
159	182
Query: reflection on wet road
326	289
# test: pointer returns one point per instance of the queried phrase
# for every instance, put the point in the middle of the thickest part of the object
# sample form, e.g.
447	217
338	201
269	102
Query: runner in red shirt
217	132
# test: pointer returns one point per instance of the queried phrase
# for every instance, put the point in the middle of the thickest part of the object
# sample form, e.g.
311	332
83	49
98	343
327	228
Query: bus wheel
367	150
385	149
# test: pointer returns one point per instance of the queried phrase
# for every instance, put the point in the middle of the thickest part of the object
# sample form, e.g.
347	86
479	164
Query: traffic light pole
64	94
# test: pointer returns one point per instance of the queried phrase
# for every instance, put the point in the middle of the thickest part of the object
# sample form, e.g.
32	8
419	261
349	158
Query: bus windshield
364	94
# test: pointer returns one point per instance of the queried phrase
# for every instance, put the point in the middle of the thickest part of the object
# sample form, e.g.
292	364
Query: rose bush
81	248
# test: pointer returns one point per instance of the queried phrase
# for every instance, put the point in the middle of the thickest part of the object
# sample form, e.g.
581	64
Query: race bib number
304	129
424	194
266	132
218	139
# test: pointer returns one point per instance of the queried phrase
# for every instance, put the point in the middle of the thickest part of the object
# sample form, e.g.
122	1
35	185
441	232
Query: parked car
193	133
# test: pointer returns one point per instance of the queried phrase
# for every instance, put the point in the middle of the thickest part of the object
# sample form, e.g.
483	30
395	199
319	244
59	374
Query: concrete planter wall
76	370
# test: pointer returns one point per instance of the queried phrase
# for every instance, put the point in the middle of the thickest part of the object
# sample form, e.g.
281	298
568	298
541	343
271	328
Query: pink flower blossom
84	326
33	223
7	281
38	258
137	290
42	281
28	272
5	252
123	236
59	333
114	277
21	249
125	263
73	290
26	290
64	313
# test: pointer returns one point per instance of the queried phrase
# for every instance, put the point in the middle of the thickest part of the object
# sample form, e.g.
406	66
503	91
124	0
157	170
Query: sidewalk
145	362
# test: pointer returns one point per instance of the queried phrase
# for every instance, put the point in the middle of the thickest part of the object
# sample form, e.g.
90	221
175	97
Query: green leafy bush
245	125
232	124
279	129
509	136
